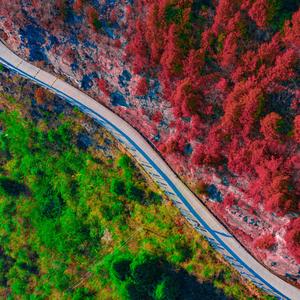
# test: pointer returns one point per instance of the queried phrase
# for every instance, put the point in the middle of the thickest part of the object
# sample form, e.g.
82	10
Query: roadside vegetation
78	220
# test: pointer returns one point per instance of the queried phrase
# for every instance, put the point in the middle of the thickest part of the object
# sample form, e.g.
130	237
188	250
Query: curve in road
189	205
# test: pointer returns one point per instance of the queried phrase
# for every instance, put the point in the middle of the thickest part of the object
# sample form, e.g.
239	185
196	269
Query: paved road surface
190	206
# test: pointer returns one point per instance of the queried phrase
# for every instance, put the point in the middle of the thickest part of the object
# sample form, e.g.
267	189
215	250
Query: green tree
166	289
117	187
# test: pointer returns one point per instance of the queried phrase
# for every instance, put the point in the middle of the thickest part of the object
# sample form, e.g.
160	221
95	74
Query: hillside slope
214	85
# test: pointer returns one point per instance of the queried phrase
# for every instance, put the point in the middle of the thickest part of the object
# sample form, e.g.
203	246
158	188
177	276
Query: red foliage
284	67
68	56
77	6
92	16
292	238
224	12
292	32
194	63
170	59
229	200
157	117
113	16
258	12
103	86
297	129
221	78
117	43
265	242
137	47
142	87
269	126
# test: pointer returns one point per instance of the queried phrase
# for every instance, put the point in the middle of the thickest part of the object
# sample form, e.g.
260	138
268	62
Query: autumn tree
269	126
265	242
40	95
296	131
103	86
259	12
93	18
142	87
292	238
78	5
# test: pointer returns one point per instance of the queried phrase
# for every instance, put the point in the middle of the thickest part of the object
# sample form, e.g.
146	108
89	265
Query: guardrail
189	205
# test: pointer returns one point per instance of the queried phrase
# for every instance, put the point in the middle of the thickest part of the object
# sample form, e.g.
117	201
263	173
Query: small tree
142	87
265	242
117	187
93	18
296	131
292	238
39	95
77	6
269	126
103	86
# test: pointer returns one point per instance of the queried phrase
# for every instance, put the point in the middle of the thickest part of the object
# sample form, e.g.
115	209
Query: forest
230	70
240	89
78	219
213	85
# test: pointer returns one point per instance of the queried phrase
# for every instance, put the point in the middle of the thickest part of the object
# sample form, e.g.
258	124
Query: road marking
234	258
19	64
54	81
37	73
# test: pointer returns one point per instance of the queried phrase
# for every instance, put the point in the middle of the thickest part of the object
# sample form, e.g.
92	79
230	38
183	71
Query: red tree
258	12
93	17
292	238
265	242
157	116
296	130
171	60
292	32
77	6
269	126
103	86
229	200
142	87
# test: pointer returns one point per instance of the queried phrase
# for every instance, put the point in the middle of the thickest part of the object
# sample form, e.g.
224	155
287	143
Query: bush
117	187
266	242
134	193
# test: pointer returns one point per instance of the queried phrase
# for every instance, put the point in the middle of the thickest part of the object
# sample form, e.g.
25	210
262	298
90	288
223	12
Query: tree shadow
154	277
12	187
192	289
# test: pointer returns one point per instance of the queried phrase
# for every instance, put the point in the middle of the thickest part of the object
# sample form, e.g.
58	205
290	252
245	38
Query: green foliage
173	14
83	293
125	163
235	291
134	193
117	187
207	272
58	212
284	127
121	268
166	290
280	11
97	24
68	217
145	276
154	197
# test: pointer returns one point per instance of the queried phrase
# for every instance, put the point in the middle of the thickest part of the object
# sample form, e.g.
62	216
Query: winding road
190	206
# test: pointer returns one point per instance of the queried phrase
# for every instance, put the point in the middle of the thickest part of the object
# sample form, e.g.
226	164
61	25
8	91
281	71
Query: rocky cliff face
84	43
